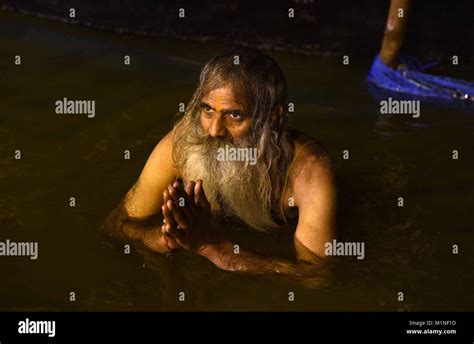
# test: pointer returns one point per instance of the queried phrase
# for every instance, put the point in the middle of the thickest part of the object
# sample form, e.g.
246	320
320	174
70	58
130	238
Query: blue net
410	80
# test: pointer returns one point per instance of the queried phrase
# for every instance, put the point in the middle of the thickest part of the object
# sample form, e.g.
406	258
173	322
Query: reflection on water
408	249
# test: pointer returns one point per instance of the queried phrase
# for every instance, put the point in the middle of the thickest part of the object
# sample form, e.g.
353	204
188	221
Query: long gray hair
258	80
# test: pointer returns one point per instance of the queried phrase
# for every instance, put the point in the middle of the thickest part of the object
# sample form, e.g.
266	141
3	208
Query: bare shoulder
312	169
314	191
160	159
310	157
144	199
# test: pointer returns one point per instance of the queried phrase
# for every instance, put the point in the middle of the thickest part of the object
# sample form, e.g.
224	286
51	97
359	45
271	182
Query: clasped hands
187	218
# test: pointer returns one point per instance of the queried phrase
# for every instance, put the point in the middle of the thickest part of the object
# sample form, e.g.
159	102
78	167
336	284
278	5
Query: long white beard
233	182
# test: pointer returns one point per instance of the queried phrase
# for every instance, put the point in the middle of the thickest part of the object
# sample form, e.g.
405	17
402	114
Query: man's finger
173	235
166	196
171	231
199	195
178	215
182	200
168	216
187	193
189	188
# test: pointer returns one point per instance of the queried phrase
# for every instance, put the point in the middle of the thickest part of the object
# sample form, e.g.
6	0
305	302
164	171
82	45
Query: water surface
408	249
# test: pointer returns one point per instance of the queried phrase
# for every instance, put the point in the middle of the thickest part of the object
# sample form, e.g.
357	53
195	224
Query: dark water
408	249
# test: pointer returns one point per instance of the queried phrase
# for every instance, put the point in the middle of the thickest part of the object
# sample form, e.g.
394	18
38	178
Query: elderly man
269	175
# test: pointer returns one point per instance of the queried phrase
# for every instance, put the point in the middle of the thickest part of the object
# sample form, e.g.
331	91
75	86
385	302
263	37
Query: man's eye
235	115
206	108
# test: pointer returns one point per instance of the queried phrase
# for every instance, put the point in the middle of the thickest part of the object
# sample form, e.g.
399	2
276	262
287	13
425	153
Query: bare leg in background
394	32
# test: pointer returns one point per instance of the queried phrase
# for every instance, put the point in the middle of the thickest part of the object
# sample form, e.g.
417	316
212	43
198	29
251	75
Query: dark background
409	249
437	29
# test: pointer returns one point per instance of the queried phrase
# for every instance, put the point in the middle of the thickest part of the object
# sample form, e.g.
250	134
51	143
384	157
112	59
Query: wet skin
310	185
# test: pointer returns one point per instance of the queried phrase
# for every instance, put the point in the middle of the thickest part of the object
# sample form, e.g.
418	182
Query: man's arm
394	34
120	226
313	188
137	218
246	261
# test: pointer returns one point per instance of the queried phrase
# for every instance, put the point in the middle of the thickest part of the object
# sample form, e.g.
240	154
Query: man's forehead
223	96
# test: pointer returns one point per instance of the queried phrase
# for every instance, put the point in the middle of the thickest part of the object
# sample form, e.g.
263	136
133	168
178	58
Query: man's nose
217	128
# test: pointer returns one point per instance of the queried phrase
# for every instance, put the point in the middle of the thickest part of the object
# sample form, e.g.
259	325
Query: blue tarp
410	80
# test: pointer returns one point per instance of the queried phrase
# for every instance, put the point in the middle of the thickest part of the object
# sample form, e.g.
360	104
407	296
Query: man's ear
276	113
